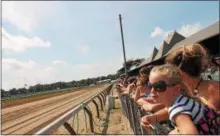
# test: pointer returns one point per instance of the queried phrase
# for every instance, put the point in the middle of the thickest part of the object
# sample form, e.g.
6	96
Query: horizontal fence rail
133	112
64	118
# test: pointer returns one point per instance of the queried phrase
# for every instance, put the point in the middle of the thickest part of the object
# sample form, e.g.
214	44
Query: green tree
22	90
13	91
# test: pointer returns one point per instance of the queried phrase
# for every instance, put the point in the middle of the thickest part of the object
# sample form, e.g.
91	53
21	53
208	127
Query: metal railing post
132	116
100	100
103	98
90	118
69	128
97	108
62	120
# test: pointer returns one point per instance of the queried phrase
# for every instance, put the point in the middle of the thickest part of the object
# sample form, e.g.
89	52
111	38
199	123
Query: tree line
72	84
57	85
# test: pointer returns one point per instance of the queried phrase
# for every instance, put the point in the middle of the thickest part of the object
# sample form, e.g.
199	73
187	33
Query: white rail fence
63	120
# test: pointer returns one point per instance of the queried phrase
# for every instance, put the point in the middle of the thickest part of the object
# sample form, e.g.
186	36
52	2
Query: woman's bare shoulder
212	85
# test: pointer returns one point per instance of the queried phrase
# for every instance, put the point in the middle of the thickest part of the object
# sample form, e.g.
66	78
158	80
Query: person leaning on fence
190	59
119	87
185	113
145	100
132	81
128	88
141	90
131	85
118	90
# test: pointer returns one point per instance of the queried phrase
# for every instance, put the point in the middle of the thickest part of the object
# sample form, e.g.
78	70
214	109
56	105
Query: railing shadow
104	131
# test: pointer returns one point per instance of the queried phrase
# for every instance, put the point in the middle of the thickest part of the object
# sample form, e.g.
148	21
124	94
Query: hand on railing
148	121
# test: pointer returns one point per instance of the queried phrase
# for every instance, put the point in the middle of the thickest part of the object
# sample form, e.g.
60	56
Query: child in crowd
185	113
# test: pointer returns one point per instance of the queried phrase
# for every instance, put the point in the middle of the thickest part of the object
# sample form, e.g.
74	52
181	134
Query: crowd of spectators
177	92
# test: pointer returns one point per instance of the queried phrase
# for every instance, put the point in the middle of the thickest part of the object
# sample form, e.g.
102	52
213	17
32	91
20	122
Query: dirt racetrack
28	118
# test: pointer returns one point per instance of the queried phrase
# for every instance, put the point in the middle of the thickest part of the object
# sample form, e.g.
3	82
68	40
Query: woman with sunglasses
190	60
142	95
185	113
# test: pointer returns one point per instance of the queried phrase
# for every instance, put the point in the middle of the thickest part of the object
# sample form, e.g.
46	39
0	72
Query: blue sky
64	41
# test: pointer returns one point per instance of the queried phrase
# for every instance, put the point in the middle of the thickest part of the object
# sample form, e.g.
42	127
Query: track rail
31	119
62	120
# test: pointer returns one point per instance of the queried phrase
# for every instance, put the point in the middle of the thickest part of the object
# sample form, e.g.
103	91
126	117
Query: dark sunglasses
160	86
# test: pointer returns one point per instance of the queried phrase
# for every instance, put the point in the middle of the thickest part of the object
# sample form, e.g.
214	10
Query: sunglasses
160	86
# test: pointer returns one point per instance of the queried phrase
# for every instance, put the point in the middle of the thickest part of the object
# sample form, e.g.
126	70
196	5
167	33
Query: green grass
38	94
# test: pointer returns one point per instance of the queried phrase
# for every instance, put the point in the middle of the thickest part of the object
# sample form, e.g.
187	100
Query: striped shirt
185	105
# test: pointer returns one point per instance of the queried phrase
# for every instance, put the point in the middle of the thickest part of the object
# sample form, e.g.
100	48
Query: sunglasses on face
160	86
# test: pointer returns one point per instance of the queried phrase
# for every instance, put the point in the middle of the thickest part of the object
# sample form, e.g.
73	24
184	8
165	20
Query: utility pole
122	39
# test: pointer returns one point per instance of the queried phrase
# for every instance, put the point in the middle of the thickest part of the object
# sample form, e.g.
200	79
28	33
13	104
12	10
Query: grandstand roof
148	60
202	35
168	43
153	55
175	40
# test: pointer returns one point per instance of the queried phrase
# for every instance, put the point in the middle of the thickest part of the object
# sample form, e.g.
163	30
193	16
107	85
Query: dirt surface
110	122
11	103
118	123
30	116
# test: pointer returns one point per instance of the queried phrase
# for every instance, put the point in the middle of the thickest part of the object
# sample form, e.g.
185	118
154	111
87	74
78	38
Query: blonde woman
186	114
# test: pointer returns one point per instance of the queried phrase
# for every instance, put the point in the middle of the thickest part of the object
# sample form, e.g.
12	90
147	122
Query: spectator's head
132	80
143	79
125	82
144	74
188	59
165	83
146	70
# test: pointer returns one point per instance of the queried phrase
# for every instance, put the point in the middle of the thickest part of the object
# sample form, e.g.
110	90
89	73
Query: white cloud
19	43
83	49
185	30
189	29
26	15
157	32
16	73
59	62
13	64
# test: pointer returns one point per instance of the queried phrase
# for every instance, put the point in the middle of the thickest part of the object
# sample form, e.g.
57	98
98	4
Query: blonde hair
169	71
173	74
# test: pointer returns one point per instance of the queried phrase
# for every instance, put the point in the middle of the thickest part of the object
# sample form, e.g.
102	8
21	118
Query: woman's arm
144	100
153	107
155	118
185	124
162	114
